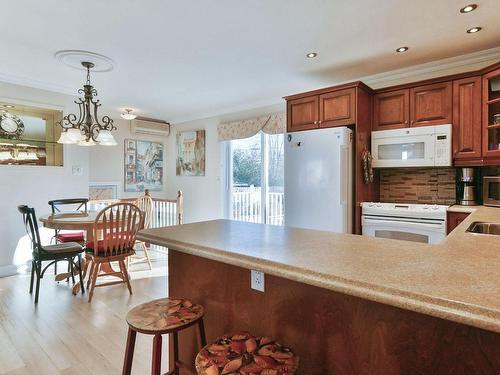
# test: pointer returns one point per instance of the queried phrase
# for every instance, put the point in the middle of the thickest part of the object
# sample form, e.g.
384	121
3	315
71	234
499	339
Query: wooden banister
165	207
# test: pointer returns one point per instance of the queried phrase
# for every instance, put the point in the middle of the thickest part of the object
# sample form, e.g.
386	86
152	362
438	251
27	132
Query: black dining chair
62	251
76	204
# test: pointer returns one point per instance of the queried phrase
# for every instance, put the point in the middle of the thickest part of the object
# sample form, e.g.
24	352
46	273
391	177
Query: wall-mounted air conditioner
142	125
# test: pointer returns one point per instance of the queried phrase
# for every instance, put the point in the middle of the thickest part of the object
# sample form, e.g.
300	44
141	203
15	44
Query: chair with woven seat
117	225
145	204
67	251
160	317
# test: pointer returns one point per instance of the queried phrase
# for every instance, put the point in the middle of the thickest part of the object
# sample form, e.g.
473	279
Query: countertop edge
432	306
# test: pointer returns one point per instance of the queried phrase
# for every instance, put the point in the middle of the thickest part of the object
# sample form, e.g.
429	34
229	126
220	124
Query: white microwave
424	146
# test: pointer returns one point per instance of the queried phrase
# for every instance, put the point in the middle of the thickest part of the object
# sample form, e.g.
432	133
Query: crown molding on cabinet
453	65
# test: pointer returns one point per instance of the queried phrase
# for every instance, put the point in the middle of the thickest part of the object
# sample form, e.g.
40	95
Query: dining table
78	220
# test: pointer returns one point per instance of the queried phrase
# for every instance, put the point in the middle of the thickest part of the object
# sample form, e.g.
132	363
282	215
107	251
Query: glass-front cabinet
28	136
491	114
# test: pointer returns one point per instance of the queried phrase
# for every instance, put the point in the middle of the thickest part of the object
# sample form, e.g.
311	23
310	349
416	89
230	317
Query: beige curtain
271	124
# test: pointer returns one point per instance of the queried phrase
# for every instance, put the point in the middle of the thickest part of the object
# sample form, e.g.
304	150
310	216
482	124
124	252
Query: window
255	176
28	136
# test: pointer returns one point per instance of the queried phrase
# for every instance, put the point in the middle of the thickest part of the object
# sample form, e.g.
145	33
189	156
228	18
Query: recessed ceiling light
128	115
402	49
8	106
468	8
474	30
311	55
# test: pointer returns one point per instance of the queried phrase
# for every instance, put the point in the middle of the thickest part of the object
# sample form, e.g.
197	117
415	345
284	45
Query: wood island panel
332	333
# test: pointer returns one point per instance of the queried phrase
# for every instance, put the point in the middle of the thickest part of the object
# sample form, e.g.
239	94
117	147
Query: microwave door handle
406	223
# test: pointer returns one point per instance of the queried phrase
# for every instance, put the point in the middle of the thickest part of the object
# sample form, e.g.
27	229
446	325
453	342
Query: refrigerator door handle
343	173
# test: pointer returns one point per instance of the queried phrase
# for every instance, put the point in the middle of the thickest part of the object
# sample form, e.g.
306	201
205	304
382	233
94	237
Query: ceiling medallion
86	129
73	58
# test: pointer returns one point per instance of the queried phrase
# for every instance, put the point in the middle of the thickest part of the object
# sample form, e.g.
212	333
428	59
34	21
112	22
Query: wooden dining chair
76	204
145	204
67	251
116	226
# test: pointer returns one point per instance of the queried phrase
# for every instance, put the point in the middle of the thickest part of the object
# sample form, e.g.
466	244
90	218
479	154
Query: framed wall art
190	153
103	191
143	165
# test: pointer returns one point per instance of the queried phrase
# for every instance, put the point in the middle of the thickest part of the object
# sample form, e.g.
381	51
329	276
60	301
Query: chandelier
86	129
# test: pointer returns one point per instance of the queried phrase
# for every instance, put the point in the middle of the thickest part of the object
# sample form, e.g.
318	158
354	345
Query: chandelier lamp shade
86	129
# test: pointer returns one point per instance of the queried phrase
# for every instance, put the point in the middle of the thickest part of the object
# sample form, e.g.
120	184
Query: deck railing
166	212
247	205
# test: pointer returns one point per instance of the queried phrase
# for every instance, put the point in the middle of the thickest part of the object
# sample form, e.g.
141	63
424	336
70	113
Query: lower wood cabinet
467	127
337	108
454	219
431	104
391	110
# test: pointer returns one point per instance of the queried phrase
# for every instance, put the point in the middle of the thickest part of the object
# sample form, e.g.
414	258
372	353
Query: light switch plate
257	280
77	170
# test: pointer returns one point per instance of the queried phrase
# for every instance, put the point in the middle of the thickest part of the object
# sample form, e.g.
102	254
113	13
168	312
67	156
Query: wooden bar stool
158	317
243	353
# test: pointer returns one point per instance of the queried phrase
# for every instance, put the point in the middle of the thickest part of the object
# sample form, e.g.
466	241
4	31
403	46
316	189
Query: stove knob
435	207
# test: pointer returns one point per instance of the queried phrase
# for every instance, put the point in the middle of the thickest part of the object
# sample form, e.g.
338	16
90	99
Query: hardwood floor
66	335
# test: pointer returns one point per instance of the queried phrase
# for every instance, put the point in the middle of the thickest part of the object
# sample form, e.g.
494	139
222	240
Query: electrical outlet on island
257	280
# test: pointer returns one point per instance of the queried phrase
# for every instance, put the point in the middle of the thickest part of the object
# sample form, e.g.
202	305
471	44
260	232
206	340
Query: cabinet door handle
319	122
316	122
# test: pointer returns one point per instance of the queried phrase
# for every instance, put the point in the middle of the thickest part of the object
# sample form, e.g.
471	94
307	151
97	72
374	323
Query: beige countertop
463	209
458	280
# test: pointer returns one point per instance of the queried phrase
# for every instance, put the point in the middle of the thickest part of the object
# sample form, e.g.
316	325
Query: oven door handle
415	224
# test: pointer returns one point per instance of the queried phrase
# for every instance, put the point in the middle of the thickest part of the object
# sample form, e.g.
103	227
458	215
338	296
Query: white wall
35	185
203	195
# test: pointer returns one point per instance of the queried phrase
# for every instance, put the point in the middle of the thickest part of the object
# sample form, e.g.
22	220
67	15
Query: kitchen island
347	304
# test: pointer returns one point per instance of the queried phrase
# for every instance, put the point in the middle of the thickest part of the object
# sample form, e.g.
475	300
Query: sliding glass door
255	168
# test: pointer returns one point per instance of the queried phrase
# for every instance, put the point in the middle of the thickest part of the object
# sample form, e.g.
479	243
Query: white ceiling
189	59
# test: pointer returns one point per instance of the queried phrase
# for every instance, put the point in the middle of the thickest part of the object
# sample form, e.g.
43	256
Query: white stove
411	222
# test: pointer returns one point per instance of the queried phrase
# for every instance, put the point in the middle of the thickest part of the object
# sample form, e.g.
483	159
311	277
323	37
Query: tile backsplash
418	185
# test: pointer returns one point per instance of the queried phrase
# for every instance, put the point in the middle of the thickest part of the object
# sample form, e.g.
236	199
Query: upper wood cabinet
467	120
391	110
337	108
302	113
431	104
333	108
491	117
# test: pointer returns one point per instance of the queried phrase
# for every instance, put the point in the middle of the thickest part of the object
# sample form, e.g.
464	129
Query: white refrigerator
318	179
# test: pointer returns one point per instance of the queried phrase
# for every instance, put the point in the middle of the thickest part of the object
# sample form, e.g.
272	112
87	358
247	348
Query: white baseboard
8	270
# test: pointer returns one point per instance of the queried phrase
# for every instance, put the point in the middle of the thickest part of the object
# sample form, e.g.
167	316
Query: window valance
271	124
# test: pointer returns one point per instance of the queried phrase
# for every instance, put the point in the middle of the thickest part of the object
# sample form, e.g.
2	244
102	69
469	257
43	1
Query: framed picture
190	153
143	165
100	191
